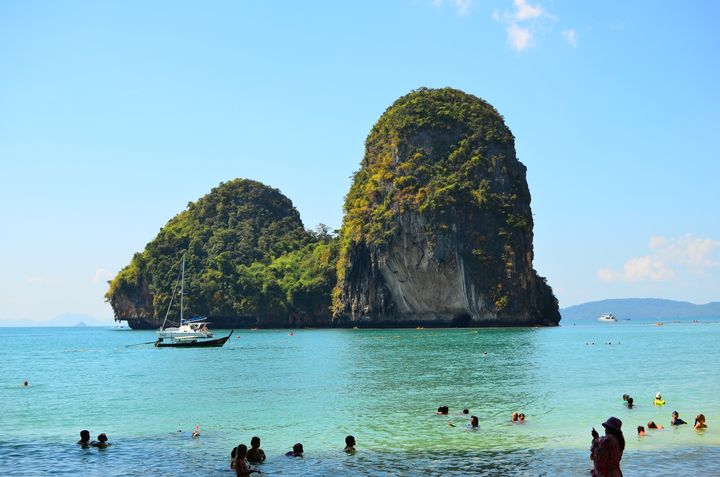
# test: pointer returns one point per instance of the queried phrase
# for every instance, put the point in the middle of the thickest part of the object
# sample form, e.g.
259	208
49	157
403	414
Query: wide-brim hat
613	423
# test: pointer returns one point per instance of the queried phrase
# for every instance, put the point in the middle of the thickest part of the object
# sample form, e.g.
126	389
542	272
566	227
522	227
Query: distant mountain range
642	309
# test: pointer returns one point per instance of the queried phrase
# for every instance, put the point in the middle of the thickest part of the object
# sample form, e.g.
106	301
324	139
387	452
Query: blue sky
115	115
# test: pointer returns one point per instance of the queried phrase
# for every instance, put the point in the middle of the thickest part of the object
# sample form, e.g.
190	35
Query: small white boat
607	318
188	330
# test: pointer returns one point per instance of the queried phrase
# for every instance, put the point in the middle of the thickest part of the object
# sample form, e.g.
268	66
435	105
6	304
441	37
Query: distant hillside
642	309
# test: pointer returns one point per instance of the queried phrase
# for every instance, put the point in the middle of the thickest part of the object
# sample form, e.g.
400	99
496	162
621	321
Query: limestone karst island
437	231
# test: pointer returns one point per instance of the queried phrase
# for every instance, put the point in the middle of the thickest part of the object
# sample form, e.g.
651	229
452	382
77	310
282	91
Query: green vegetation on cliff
448	158
247	254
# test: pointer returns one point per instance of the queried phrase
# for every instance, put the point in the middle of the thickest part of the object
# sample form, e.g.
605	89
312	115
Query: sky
114	115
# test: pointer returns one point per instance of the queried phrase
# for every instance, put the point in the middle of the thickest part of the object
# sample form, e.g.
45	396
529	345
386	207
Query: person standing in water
255	455
675	420
242	467
606	452
85	439
350	444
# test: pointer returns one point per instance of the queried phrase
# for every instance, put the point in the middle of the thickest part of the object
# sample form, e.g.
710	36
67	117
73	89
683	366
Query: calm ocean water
382	386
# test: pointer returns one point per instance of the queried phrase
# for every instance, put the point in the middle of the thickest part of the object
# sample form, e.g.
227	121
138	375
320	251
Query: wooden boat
192	342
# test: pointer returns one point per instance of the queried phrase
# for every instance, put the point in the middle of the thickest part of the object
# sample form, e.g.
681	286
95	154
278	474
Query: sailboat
191	333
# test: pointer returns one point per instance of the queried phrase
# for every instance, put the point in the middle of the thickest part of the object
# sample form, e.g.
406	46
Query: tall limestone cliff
438	227
249	262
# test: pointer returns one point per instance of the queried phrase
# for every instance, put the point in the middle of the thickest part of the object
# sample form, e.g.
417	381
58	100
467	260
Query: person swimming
515	417
675	419
195	432
474	423
658	401
641	431
297	451
630	402
443	410
349	445
652	425
700	422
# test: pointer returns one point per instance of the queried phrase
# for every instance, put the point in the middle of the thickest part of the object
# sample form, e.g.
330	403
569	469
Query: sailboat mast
182	290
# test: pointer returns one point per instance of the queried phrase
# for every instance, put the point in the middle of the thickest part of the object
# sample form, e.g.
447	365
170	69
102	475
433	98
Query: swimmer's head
521	416
658	396
102	437
255	441
466	411
514	416
641	430
625	397
298	448
350	441
675	414
652	425
85	435
241	451
474	421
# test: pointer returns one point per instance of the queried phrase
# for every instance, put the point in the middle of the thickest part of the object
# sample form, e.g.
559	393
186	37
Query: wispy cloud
101	276
462	6
521	23
518	37
668	259
571	37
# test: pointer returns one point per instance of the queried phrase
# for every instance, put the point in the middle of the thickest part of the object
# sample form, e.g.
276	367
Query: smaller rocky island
249	263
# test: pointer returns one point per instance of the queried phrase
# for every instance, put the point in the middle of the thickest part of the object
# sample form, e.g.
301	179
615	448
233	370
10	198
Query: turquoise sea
382	386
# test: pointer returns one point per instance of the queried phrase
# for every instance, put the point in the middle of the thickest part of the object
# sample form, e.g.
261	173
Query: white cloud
571	37
669	259
518	38
462	6
608	275
101	276
521	23
523	11
647	268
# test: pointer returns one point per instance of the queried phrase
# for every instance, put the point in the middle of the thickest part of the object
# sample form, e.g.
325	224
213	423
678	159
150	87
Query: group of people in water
606	451
241	457
474	424
674	416
85	442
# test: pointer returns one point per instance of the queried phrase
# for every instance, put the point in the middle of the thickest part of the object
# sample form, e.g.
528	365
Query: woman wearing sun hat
607	451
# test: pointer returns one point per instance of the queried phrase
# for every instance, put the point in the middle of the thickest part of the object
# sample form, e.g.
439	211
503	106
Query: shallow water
380	385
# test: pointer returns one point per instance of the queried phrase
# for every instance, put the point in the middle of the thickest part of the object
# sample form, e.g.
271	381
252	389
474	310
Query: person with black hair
606	452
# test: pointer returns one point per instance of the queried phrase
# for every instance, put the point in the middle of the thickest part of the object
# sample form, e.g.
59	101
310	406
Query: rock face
438	227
